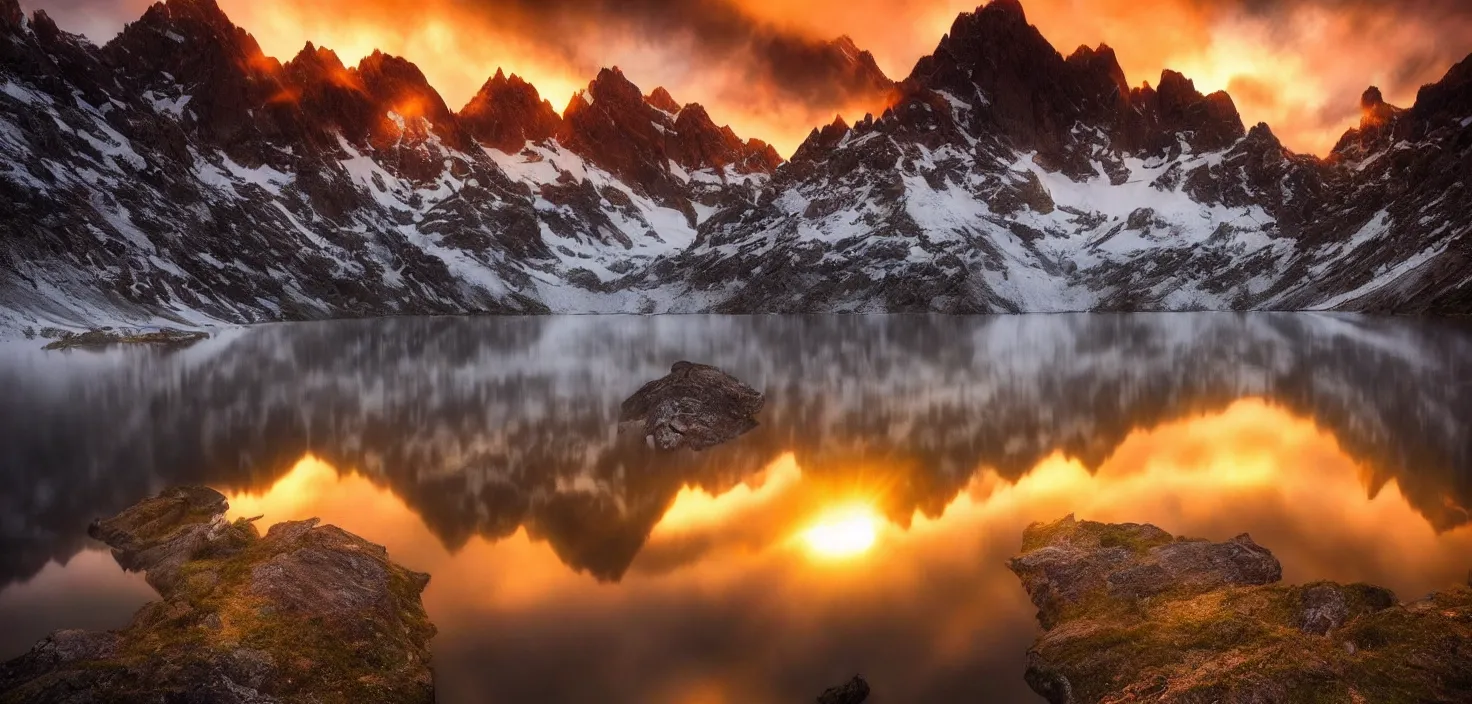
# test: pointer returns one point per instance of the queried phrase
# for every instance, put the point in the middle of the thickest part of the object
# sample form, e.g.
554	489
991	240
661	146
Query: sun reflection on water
842	532
810	555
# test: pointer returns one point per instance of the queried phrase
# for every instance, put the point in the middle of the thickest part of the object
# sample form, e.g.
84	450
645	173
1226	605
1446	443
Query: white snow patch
24	94
169	106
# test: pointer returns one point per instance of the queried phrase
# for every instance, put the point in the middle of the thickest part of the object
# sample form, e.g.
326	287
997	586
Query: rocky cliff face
179	174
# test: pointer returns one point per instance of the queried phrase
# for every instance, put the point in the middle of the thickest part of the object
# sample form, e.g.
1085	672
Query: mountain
1008	178
177	175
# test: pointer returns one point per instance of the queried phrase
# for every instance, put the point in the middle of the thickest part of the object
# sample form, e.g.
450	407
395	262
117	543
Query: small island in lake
696	406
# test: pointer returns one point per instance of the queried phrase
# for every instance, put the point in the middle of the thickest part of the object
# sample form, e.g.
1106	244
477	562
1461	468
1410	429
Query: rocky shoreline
305	613
107	337
1132	613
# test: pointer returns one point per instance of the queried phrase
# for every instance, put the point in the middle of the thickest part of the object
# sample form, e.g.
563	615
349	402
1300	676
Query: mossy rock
306	613
1228	635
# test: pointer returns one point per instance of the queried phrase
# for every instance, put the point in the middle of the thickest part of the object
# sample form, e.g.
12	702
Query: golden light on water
843	532
808	554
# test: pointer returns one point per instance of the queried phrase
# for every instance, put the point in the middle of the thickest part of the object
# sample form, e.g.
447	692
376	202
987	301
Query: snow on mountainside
179	175
1008	178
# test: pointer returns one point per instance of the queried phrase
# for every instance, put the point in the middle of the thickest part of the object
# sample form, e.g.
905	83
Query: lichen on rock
1133	614
695	406
306	613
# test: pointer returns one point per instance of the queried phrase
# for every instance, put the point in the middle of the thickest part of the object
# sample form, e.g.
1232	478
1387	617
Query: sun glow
843	532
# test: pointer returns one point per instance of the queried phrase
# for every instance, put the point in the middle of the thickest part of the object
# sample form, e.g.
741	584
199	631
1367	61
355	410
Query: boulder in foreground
1134	614
695	406
306	613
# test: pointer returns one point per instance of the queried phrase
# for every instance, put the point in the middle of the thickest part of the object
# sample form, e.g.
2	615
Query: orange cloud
1298	65
1301	64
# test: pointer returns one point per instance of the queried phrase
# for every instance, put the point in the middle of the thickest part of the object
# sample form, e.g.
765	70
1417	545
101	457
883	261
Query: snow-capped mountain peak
178	174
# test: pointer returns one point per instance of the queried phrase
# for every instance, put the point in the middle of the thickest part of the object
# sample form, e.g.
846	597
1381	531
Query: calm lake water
862	528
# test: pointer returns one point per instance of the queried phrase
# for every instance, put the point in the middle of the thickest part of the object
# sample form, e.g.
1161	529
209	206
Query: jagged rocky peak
1033	96
380	100
319	64
846	44
860	76
611	86
180	14
662	99
11	16
1103	62
179	33
1009	7
327	94
1175	107
822	141
1023	89
1378	124
1261	136
191	47
399	87
612	126
508	112
1376	110
1448	99
636	138
698	143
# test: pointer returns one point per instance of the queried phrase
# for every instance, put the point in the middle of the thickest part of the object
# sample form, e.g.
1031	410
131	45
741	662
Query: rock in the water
1071	564
157	536
1134	614
306	613
695	406
166	337
853	691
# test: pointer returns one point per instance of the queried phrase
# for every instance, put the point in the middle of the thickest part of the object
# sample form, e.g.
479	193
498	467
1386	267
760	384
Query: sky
1299	65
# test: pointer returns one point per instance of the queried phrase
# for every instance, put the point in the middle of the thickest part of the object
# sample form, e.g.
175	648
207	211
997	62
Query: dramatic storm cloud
1299	65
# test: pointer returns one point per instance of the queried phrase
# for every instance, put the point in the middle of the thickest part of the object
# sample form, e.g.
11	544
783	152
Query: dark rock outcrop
695	406
854	691
1133	614
306	613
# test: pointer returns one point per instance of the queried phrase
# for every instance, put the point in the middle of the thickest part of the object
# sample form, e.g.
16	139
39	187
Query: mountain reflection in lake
862	527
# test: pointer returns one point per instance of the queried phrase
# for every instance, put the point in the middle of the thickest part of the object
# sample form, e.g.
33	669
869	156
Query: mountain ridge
186	177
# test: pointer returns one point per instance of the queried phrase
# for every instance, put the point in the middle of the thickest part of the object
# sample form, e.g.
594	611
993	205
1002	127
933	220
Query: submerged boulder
1133	614
306	613
695	406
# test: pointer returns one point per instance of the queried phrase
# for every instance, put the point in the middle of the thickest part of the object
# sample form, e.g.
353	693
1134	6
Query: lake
863	527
